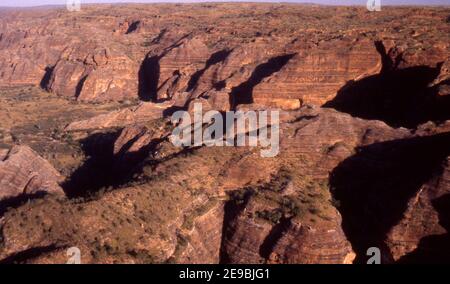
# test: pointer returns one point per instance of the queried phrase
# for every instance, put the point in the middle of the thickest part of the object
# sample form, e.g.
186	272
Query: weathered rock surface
368	169
276	213
422	233
200	249
138	114
23	172
315	75
408	91
386	191
315	142
277	56
92	73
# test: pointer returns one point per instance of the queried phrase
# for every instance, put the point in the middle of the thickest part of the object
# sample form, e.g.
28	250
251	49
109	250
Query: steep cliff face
26	51
386	192
315	74
281	212
23	172
292	219
409	90
104	74
422	233
152	53
199	249
368	168
266	232
68	55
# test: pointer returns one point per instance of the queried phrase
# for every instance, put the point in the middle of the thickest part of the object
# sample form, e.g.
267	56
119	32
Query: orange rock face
363	156
23	172
138	52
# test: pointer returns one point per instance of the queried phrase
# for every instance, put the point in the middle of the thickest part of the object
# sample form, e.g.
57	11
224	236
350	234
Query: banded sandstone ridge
364	145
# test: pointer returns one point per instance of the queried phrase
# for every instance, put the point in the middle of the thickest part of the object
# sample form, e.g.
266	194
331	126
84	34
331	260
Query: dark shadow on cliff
243	94
149	71
128	163
215	58
399	97
15	202
29	254
277	231
374	185
80	85
149	78
103	169
95	173
232	209
133	27
434	249
45	81
159	37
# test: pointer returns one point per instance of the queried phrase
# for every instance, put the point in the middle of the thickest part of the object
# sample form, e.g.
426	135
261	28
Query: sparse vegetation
148	201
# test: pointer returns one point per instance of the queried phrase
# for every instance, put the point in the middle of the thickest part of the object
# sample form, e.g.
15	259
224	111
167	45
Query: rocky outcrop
422	233
330	246
284	210
25	51
442	82
199	249
252	238
138	114
178	63
72	59
23	172
154	53
369	169
293	220
315	75
386	192
91	73
408	90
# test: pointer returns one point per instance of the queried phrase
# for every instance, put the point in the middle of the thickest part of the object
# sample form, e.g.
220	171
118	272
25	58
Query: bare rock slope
364	135
23	172
149	52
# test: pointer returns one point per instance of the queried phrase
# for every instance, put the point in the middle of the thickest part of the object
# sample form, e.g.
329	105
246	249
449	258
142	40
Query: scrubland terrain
85	159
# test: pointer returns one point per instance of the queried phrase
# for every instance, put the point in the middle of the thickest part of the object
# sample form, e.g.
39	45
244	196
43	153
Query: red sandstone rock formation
120	118
23	172
423	218
342	182
141	53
